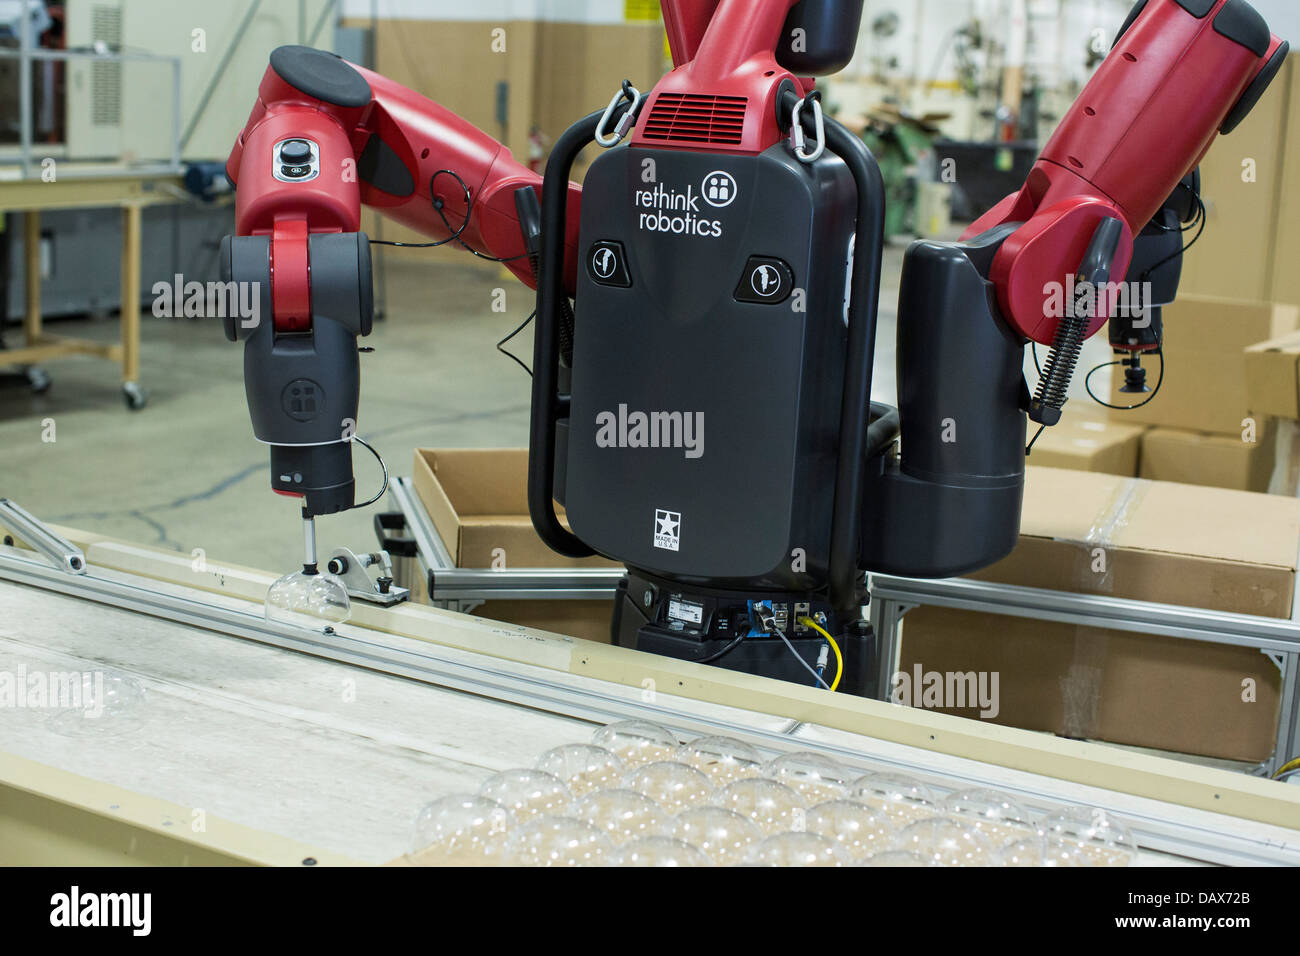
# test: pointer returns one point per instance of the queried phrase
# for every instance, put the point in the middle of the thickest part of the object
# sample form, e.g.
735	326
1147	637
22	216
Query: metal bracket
351	568
1278	658
63	554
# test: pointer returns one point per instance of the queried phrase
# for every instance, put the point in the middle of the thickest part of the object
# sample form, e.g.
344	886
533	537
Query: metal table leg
131	238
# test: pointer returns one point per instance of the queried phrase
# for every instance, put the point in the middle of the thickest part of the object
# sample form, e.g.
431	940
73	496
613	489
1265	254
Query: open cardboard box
478	502
1156	541
1219	461
1143	540
1273	376
1205	386
1089	444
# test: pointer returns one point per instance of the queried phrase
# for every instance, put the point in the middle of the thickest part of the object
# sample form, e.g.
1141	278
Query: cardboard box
478	502
1218	461
1205	382
1286	247
1242	177
1273	377
1143	540
1087	444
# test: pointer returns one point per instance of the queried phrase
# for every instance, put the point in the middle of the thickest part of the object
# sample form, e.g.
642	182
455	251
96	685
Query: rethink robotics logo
668	530
681	213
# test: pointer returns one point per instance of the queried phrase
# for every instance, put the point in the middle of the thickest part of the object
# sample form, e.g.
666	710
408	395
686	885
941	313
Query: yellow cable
1287	767
839	658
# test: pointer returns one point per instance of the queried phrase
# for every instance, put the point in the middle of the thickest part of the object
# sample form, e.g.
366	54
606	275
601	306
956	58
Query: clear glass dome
724	836
308	600
527	793
557	841
1038	851
460	830
996	815
100	704
856	827
816	777
582	767
901	798
723	760
1101	838
622	815
894	858
637	742
947	842
772	807
660	851
674	786
796	849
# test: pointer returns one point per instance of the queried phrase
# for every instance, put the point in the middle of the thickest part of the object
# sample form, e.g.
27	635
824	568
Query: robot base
692	623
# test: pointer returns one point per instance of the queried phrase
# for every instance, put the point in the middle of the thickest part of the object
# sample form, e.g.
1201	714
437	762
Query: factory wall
538	71
168	28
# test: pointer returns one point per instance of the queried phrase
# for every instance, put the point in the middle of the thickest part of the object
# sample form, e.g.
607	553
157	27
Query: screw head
649	597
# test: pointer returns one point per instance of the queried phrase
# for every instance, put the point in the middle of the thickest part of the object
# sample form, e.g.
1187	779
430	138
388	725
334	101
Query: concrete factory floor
185	473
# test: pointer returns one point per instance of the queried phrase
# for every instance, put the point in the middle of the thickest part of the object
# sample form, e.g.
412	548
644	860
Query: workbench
89	185
255	742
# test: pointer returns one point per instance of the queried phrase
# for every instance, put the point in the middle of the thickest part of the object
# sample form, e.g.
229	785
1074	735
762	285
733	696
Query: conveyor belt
331	749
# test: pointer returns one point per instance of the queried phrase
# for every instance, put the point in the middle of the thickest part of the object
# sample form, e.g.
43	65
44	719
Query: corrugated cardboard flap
1164	517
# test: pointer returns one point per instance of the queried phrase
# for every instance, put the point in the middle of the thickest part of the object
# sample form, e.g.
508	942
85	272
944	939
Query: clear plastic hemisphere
636	742
308	600
557	841
660	851
723	760
582	767
97	704
723	835
797	849
946	842
674	786
527	793
460	830
816	777
622	815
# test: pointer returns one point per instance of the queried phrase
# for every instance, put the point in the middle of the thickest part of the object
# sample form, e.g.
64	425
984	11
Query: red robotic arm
1181	72
325	137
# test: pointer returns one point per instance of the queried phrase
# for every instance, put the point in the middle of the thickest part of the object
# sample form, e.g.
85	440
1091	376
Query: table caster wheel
38	379
136	396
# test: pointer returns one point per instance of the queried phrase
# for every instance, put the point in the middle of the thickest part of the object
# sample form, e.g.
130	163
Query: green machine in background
915	203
